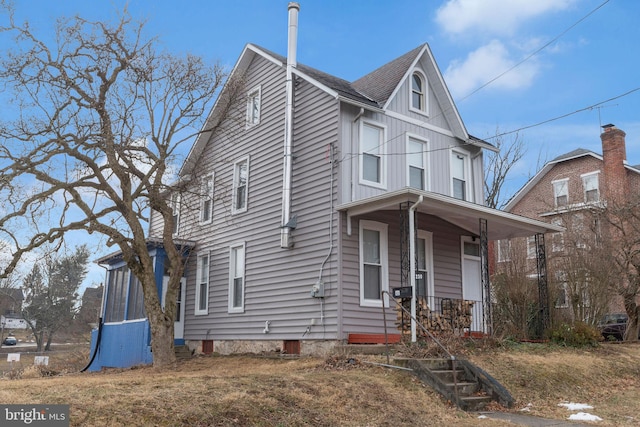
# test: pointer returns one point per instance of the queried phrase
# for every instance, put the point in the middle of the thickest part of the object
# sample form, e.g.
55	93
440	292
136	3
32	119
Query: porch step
460	382
182	352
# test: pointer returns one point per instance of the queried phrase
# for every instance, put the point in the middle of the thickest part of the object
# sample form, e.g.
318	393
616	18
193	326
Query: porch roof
152	243
466	215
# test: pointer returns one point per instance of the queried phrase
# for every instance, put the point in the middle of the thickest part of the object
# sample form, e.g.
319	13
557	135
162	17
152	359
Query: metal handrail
386	337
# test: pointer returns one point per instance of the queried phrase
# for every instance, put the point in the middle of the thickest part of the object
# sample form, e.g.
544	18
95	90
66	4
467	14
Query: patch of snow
483	417
575	406
584	416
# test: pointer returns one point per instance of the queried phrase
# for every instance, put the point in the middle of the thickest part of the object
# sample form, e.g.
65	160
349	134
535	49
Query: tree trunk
49	339
633	311
161	323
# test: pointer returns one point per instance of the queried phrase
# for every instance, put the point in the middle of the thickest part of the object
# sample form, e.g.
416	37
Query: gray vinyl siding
438	156
446	260
277	281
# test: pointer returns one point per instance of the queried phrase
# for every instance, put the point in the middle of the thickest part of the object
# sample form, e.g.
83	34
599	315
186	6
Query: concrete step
183	352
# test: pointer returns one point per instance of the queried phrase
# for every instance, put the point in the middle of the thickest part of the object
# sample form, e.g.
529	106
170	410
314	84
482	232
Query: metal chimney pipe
292	46
286	240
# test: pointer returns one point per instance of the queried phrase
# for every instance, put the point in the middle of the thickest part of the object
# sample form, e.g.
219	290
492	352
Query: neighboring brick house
565	192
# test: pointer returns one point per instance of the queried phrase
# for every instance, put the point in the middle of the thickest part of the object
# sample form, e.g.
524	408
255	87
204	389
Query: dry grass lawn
262	391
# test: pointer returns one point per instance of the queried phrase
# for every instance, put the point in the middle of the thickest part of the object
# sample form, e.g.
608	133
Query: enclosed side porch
429	251
123	336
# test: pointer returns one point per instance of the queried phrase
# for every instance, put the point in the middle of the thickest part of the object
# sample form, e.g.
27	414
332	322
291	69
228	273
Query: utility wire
590	107
535	52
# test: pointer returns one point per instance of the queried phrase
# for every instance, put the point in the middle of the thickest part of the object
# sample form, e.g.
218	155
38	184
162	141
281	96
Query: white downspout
285	233
412	266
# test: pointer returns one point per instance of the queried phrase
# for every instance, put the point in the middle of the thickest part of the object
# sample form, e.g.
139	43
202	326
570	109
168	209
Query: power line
535	52
590	107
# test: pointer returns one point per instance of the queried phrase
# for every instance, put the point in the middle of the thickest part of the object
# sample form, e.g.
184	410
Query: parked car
10	340
613	326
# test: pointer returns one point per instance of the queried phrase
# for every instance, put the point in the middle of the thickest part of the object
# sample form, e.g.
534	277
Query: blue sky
592	54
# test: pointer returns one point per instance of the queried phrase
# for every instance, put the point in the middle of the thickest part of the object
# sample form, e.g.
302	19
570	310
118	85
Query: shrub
578	334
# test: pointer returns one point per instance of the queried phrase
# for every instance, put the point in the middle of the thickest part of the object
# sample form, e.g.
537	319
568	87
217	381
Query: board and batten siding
446	268
277	281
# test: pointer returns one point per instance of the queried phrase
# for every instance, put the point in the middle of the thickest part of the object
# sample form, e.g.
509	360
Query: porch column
487	320
412	270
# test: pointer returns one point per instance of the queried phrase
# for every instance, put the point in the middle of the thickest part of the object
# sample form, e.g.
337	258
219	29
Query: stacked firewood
456	316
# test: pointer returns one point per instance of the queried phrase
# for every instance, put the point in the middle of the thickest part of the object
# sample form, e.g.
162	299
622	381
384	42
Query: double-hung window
591	187
459	175
206	201
417	163
240	185
561	192
374	269
253	106
236	278
418	93
202	284
504	250
175	209
372	155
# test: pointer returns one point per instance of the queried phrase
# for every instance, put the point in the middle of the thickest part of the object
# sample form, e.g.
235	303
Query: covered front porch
439	263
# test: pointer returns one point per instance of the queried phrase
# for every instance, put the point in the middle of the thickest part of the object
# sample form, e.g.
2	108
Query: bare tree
621	244
497	167
100	114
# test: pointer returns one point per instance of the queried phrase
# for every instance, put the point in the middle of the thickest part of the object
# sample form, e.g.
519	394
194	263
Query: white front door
472	279
178	326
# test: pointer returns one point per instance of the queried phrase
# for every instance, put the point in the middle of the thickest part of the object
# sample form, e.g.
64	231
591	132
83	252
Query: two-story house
316	197
569	191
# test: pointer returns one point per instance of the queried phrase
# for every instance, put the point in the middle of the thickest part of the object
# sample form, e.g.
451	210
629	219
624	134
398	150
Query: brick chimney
614	154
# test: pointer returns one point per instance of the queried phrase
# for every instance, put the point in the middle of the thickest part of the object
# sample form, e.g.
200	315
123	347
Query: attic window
253	106
418	93
561	193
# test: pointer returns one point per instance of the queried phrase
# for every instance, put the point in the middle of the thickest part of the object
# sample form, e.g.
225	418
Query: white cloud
491	17
486	63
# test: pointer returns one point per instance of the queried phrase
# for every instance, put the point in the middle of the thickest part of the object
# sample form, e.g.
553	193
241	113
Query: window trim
425	93
232	261
234	209
425	159
467	174
381	154
586	176
554	184
251	120
197	310
204	195
383	229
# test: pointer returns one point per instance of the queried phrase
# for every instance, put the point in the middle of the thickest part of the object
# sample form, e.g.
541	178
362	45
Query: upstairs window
372	159
418	92
459	172
591	188
206	201
175	209
240	185
561	193
253	106
416	163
